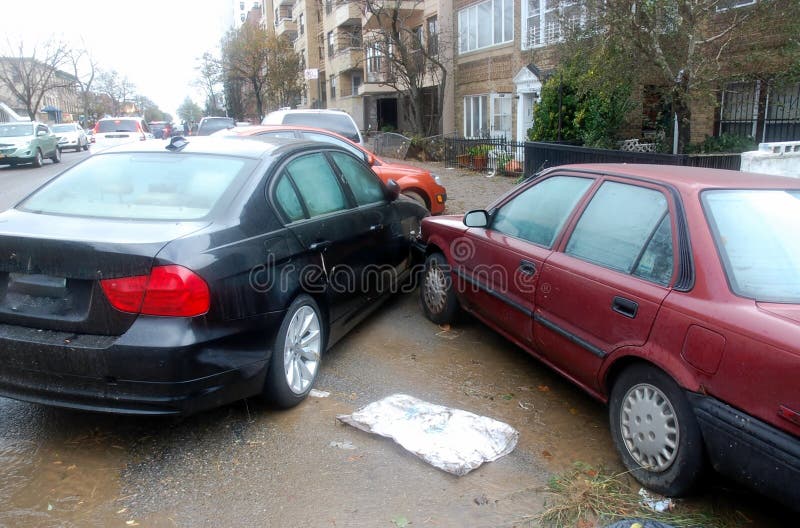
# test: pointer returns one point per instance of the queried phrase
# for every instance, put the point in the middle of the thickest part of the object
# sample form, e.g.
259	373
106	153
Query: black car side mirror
476	218
393	190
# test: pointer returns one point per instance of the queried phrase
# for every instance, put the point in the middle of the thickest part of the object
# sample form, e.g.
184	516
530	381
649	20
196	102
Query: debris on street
452	440
655	504
314	393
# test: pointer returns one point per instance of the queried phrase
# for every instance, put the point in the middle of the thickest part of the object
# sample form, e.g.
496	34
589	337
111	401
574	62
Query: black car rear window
141	186
341	124
117	125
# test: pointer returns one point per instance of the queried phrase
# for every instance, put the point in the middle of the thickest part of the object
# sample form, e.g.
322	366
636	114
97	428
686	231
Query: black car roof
247	148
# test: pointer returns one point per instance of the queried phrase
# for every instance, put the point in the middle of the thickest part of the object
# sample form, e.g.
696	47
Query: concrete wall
782	159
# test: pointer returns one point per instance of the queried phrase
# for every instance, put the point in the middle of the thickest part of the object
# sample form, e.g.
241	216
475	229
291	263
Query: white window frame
488	106
736	5
470	24
548	31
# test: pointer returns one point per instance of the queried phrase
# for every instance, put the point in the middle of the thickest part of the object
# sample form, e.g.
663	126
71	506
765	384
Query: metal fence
514	158
497	155
540	156
390	144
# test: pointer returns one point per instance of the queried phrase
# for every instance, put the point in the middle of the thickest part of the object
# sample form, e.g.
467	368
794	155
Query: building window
485	24
330	44
333	87
301	23
543	21
356	83
487	115
374	57
241	6
778	120
433	36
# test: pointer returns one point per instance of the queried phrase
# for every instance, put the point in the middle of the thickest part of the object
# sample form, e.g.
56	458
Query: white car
112	131
337	121
71	136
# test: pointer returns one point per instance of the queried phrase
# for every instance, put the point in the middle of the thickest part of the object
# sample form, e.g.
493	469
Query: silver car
71	136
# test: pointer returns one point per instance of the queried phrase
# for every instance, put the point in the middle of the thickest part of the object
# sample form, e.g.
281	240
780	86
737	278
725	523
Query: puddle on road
61	480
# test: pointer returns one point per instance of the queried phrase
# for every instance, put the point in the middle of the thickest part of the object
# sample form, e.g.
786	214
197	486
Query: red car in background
414	182
671	293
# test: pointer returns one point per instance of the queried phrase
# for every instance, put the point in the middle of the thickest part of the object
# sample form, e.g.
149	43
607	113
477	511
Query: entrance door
387	113
524	115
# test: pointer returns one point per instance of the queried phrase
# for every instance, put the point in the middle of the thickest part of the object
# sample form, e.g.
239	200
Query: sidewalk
466	189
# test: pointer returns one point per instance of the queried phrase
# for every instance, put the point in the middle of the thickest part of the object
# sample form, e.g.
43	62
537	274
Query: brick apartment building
502	51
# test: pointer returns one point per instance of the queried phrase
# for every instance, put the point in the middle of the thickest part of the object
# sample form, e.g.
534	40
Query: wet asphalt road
249	465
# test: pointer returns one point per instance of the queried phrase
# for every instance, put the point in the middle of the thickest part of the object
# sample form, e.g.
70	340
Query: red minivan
671	293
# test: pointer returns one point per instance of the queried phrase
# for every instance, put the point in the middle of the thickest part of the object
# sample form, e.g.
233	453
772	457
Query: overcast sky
154	42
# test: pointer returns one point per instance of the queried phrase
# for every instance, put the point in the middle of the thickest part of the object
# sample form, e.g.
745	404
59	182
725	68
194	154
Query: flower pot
479	162
464	160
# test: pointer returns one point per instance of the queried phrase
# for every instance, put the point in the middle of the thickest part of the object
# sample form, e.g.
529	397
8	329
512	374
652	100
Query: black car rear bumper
159	366
750	451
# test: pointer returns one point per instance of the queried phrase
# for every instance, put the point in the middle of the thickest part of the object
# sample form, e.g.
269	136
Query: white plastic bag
453	440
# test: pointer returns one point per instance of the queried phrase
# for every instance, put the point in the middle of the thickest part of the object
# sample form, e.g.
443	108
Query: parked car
157	128
28	142
416	183
209	125
112	131
671	293
153	280
334	120
71	135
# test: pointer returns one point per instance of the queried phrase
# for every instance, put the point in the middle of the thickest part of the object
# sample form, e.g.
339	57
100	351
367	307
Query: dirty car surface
671	293
160	281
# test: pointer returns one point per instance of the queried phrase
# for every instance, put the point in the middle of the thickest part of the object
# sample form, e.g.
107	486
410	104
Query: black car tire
278	389
56	157
640	397
86	145
38	159
436	292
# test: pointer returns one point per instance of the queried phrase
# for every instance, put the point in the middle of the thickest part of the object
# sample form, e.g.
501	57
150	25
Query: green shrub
725	143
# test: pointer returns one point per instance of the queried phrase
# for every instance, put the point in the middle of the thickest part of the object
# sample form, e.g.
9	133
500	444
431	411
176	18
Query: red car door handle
625	307
526	267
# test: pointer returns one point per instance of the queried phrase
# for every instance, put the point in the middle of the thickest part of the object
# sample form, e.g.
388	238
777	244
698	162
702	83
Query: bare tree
209	71
30	74
284	86
84	68
245	54
685	46
411	58
118	89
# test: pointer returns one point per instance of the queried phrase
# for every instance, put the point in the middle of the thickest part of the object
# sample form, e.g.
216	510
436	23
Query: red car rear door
602	290
498	266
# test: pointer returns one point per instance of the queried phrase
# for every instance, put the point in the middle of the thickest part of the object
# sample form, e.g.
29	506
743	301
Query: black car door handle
376	227
320	245
625	307
526	267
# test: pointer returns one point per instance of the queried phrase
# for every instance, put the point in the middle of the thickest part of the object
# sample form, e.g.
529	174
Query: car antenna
177	143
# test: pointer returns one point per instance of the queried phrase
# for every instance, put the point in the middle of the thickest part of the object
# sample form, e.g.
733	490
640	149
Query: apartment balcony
346	59
346	13
406	9
373	88
289	3
286	27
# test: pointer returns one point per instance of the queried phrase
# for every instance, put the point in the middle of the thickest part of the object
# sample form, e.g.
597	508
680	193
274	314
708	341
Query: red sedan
671	293
416	183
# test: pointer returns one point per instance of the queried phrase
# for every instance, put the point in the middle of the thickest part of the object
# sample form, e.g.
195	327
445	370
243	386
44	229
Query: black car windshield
117	125
16	130
755	232
141	186
339	123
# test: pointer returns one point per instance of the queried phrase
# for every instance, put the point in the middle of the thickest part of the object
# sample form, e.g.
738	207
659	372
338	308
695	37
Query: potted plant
464	160
480	154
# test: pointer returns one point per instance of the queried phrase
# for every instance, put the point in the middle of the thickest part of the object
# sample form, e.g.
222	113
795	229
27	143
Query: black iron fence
515	158
540	156
496	155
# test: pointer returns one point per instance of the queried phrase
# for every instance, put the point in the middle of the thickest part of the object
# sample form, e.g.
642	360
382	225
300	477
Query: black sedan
153	280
